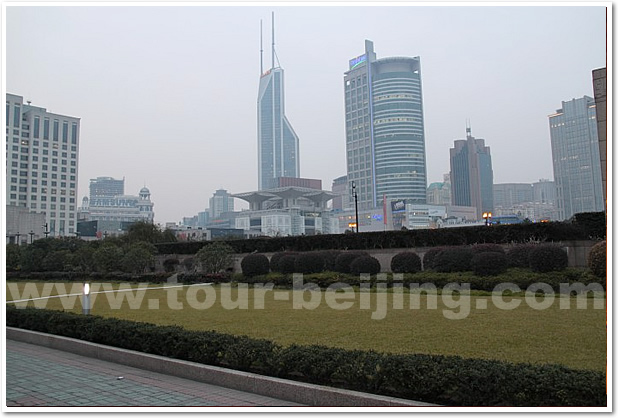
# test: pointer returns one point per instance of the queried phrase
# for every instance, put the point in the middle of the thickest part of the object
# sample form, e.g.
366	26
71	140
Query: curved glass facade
385	137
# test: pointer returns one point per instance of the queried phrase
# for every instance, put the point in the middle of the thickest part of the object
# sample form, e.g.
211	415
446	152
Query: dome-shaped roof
144	190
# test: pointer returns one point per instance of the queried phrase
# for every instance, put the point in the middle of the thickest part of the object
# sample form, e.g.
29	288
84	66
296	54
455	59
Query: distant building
507	195
221	202
544	192
42	154
113	212
277	142
576	160
439	193
23	225
472	174
283	211
599	81
340	190
385	136
277	182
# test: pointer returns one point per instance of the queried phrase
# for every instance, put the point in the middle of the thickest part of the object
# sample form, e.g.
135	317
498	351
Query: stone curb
289	390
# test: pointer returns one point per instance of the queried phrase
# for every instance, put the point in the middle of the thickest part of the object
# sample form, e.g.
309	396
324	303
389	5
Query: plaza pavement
41	376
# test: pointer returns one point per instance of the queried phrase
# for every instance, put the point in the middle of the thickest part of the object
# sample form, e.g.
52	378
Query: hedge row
591	226
444	380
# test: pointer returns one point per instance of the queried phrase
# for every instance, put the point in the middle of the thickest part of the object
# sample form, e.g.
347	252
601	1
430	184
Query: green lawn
574	337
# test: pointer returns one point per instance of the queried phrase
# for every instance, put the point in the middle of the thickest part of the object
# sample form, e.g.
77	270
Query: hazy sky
167	94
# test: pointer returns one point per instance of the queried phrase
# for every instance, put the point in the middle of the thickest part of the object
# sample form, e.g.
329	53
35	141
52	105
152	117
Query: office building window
37	122
65	131
46	131
56	129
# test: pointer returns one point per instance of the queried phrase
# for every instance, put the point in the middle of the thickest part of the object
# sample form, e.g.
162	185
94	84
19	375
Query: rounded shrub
287	264
170	264
489	263
365	264
329	257
597	259
406	262
548	257
487	248
309	262
276	258
519	255
430	256
452	259
255	265
343	260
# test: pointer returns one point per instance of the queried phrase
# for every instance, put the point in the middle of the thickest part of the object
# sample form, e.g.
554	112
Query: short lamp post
31	233
487	217
86	299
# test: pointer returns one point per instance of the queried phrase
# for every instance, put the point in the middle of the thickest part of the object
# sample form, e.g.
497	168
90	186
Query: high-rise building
277	141
544	192
509	194
599	81
439	193
221	202
575	153
42	150
471	174
340	190
105	187
385	139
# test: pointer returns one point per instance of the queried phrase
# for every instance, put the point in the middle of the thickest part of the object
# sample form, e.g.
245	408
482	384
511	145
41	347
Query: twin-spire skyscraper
277	141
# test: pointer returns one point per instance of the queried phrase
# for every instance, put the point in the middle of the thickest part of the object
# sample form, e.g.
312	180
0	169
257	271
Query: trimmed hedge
489	263
518	256
255	265
365	264
306	263
548	257
430	256
406	262
276	258
445	380
497	234
344	260
453	259
287	264
597	259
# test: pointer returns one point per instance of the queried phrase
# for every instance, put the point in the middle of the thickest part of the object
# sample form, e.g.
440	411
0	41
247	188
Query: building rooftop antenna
273	40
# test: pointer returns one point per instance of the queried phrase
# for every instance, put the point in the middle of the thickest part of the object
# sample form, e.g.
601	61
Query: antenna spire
261	51
273	52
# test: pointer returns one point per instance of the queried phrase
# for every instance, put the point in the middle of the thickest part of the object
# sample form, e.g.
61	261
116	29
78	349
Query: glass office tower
277	141
575	153
385	139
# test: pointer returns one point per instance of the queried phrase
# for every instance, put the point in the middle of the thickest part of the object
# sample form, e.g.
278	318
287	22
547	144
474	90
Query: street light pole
31	233
355	203
45	231
18	234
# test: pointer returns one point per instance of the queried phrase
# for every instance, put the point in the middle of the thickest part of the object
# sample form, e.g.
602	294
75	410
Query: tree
13	256
107	258
136	259
55	260
215	257
148	232
83	258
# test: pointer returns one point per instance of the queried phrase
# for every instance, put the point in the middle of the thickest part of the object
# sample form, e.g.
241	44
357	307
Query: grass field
573	337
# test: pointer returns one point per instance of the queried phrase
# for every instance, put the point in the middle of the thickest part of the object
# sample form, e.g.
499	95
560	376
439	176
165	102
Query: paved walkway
39	376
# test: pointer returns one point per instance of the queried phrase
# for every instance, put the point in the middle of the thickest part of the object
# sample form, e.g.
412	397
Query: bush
276	258
444	380
216	257
597	259
343	261
330	257
548	257
430	256
406	262
170	264
453	259
311	262
255	265
487	248
488	263
365	264
287	264
519	255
